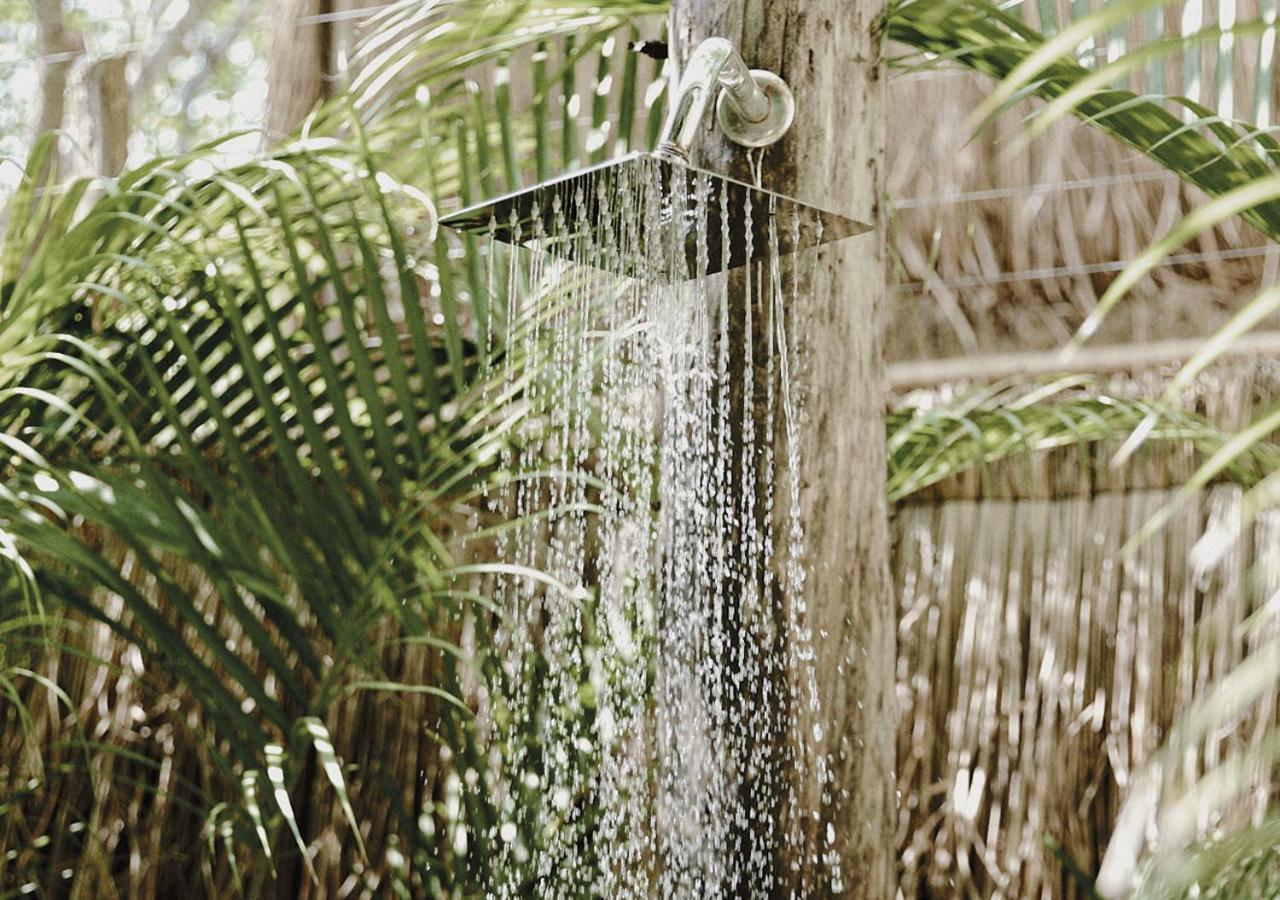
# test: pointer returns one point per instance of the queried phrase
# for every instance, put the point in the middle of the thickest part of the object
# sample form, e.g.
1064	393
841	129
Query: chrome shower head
724	223
705	223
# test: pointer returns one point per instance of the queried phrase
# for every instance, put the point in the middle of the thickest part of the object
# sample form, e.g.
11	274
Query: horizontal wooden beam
1102	360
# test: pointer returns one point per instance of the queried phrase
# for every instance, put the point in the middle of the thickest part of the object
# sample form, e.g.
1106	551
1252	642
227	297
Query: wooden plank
1132	358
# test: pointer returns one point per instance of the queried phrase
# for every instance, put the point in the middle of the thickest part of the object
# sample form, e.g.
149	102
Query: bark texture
300	64
829	53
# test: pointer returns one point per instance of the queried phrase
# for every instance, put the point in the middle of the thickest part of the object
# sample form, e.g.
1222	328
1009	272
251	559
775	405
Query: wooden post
829	53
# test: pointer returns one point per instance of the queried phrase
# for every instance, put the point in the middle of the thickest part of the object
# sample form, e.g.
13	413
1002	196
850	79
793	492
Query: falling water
655	649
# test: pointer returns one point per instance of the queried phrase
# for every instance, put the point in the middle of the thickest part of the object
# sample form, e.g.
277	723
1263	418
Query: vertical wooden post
829	53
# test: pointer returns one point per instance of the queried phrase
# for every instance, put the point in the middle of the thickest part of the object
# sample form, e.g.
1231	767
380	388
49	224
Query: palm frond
246	415
242	400
1207	151
929	445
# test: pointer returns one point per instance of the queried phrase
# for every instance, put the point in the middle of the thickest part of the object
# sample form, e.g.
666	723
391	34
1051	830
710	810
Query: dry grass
1038	672
998	252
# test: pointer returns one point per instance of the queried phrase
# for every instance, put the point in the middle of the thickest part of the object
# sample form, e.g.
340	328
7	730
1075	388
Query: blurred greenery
211	81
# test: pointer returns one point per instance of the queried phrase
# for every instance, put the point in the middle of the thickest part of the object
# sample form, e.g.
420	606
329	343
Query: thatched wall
1038	671
120	771
1038	668
997	252
1004	250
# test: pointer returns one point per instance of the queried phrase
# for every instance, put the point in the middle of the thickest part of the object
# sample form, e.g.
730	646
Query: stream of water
653	670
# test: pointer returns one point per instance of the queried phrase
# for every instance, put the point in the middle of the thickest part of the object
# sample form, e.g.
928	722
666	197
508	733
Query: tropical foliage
251	413
1015	421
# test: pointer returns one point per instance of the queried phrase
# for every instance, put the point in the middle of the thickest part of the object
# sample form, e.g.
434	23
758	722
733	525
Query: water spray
691	547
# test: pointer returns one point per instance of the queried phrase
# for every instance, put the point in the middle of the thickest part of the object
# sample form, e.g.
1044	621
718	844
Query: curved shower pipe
755	107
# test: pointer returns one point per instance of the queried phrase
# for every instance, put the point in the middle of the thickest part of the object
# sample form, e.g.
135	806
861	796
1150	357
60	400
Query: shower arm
755	107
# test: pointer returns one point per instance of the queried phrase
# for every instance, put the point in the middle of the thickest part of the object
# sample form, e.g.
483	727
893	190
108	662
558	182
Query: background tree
188	71
310	43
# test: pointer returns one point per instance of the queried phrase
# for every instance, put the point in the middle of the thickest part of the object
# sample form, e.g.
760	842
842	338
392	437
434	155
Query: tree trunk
59	48
109	102
308	43
829	53
297	64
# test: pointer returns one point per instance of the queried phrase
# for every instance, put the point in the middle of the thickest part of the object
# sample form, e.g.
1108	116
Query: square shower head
727	223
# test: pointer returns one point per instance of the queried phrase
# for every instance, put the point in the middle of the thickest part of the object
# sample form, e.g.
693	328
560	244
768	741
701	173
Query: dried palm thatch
1002	244
1039	668
999	252
1037	672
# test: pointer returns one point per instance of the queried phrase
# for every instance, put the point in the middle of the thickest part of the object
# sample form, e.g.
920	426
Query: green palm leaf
1014	421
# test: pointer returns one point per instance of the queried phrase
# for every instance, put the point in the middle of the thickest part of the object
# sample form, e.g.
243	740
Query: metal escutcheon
782	111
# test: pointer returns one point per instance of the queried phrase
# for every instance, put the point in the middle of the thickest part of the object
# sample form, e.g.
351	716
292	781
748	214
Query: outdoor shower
666	512
754	108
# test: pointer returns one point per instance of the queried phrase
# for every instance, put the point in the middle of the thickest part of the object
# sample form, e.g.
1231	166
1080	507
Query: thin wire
1067	271
1044	187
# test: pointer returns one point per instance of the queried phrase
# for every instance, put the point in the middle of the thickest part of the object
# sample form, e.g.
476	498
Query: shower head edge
739	222
472	218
